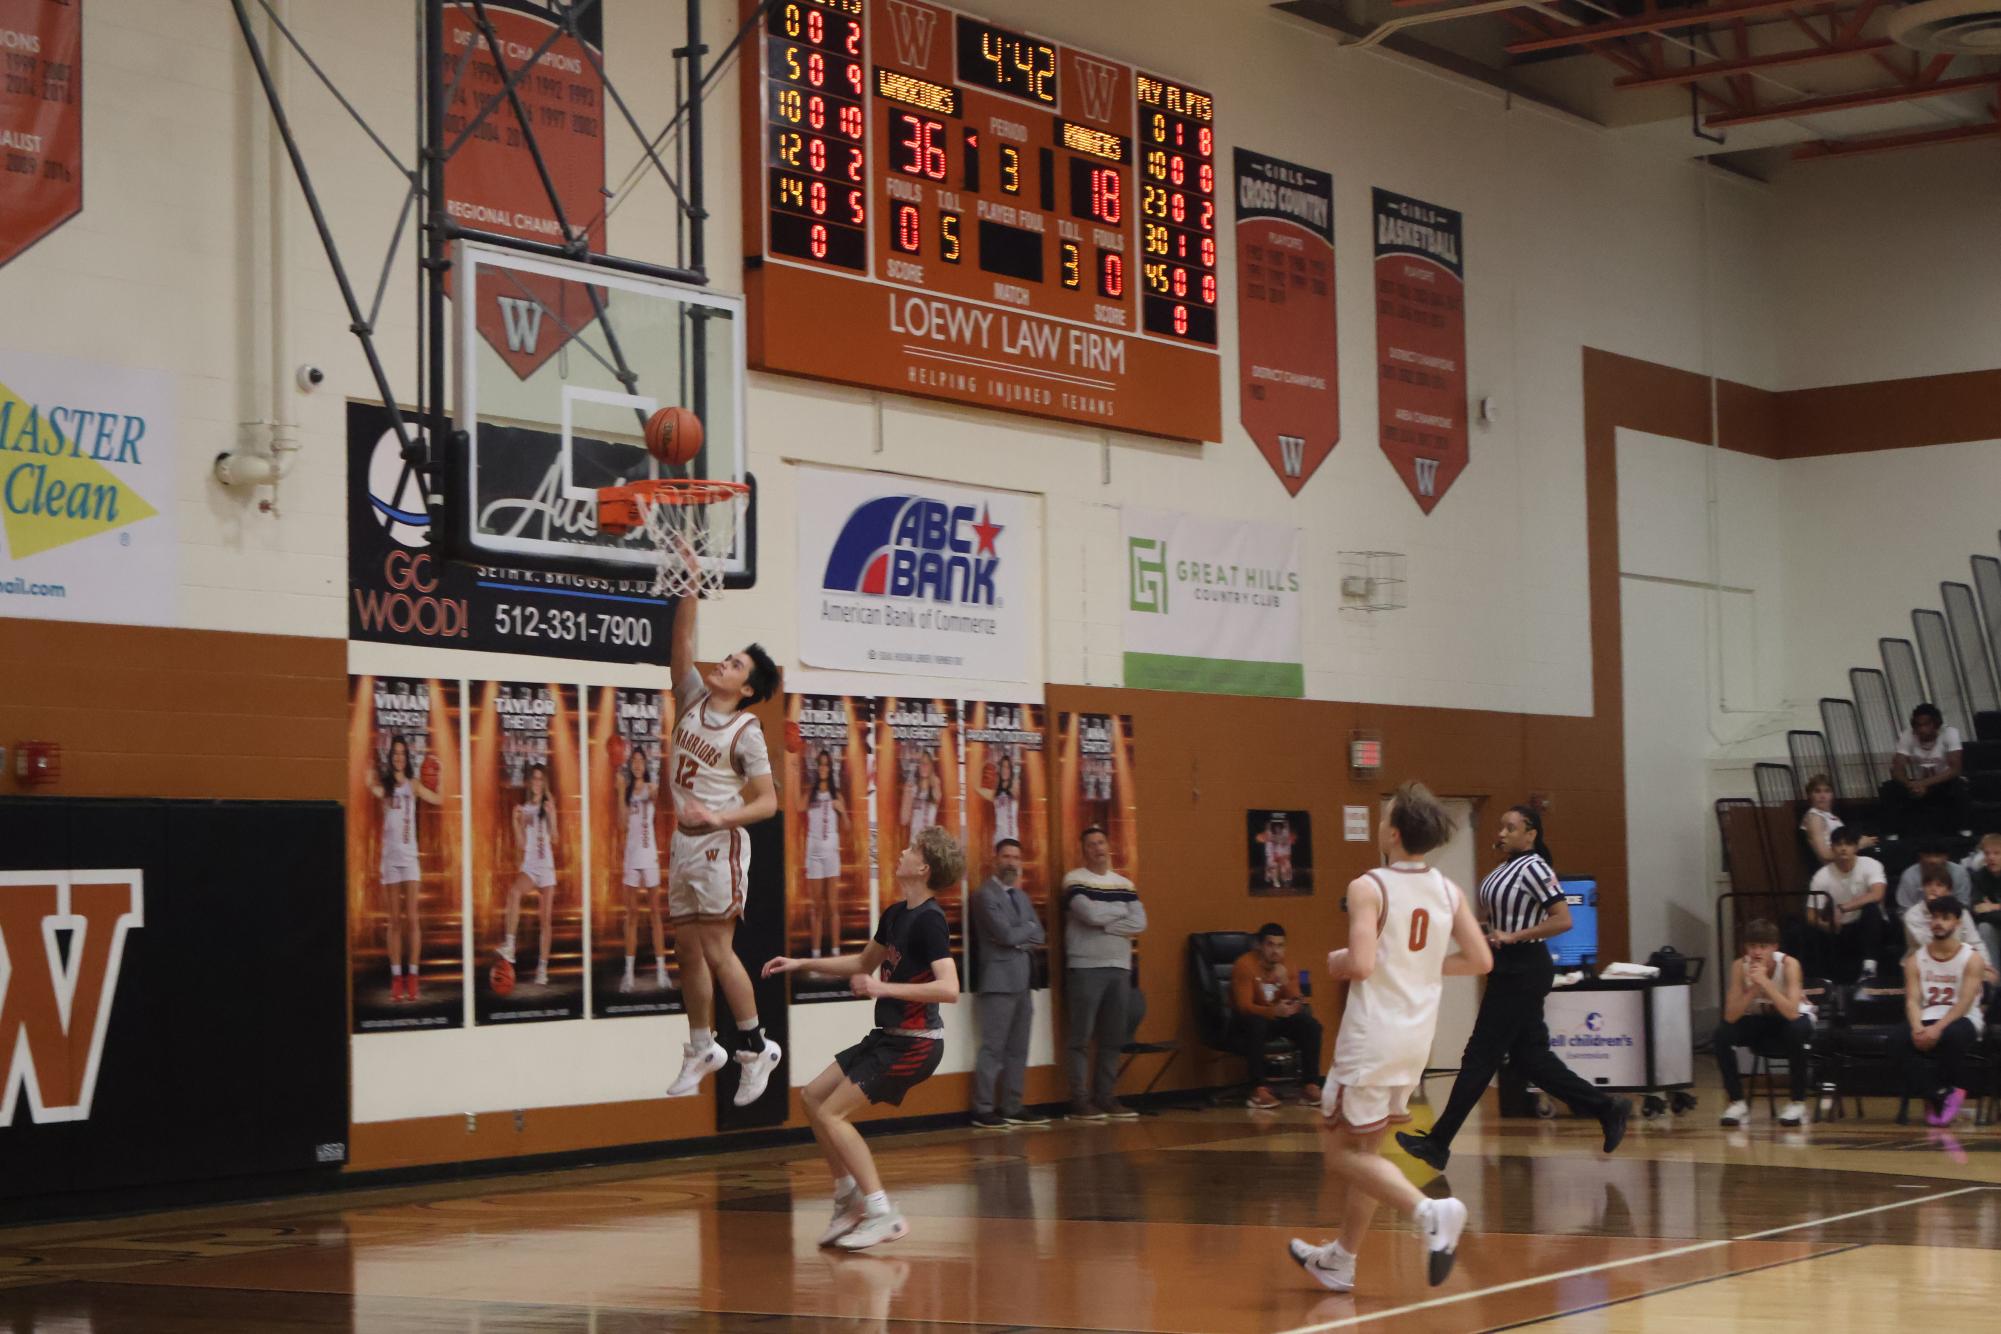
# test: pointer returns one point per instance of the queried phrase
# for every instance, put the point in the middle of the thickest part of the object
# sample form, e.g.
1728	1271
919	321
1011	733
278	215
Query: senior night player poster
1097	784
830	863
406	917
1421	343
1289	372
632	817
1007	796
527	853
917	786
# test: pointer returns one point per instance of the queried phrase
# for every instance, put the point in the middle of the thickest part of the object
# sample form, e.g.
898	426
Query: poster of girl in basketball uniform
405	910
917	786
829	871
1007	784
1097	784
527	853
632	813
1279	851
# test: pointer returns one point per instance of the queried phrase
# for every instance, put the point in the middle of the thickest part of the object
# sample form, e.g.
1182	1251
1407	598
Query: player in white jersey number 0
719	776
1401	921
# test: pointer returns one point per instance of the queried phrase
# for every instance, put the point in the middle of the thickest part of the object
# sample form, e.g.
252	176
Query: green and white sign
1212	605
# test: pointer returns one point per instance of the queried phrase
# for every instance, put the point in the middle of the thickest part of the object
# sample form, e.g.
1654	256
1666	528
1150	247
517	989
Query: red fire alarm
38	762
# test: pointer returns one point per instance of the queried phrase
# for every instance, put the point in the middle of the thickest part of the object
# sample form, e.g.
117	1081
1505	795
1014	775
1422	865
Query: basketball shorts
1366	1107
886	1065
643	877
823	860
707	874
542	877
397	872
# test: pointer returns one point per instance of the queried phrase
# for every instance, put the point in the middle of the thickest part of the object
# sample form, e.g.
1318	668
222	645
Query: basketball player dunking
1401	919
720	780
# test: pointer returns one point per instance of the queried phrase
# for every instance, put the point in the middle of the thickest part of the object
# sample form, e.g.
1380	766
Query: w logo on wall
1097	85
912	26
62	941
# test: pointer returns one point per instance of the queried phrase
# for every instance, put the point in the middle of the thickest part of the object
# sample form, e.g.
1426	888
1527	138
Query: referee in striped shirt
1522	906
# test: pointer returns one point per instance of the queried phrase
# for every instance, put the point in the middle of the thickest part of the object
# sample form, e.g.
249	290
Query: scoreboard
944	206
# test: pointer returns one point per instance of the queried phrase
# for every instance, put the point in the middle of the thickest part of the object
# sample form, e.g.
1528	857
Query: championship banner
1213	605
632	817
401	592
830	869
41	120
1007	784
405	901
527	853
1421	343
492	182
918	578
917	786
1280	851
89	496
1289	392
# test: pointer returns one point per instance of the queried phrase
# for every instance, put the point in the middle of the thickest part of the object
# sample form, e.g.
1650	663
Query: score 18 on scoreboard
944	207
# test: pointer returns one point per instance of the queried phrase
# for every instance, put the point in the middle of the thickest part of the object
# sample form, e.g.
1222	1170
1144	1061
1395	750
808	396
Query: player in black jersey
908	969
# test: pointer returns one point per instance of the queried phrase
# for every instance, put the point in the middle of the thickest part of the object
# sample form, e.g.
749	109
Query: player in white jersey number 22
719	775
1402	919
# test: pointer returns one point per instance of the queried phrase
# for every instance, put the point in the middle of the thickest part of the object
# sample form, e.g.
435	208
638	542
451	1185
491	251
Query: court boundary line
1348	1322
1677	1287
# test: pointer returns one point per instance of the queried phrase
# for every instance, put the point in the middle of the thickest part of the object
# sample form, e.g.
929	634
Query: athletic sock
701	1039
844	1187
628	967
876	1202
395	970
411	969
750	1035
1339	1251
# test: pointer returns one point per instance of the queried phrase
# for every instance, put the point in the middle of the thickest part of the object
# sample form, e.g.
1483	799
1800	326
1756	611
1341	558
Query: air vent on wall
1958	27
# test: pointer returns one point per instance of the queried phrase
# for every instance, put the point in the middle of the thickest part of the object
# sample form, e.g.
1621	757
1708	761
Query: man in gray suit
1008	931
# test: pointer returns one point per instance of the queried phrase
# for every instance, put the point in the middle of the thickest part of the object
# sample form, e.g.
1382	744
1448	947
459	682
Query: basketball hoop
690	522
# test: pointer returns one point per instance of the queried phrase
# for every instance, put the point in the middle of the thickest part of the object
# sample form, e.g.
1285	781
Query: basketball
795	741
501	977
616	749
674	435
431	772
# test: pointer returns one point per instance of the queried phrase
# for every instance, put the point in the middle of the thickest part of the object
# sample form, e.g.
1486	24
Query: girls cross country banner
632	817
526	787
406	908
1007	785
1212	605
1289	372
1421	343
829	785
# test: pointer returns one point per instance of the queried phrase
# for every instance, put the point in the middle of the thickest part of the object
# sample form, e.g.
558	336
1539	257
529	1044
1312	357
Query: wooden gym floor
1176	1222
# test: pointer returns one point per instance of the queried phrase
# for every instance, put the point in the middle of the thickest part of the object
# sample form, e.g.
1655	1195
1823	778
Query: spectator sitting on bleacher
1987	894
1941	1000
1931	857
1765	1004
1926	788
1918	923
1265	1003
1820	821
1857	886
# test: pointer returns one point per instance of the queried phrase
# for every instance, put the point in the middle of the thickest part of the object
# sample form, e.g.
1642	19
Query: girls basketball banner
830	869
632	817
1212	605
41	120
1280	851
405	900
526	787
1289	371
1007	785
1421	343
917	786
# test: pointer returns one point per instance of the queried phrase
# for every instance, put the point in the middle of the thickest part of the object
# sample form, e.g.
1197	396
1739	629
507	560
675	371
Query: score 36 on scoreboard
944	207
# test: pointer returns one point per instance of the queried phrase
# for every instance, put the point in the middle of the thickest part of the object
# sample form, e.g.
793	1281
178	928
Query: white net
690	528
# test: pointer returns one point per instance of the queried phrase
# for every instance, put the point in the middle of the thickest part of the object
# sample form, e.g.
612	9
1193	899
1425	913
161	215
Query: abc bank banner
87	492
906	576
1212	605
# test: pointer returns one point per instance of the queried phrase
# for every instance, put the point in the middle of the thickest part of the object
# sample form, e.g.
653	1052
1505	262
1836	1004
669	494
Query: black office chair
1212	955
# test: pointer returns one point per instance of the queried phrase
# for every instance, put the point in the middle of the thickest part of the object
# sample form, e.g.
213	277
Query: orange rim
674	491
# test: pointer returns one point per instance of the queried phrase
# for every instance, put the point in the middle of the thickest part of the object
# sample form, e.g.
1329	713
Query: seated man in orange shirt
1266	1004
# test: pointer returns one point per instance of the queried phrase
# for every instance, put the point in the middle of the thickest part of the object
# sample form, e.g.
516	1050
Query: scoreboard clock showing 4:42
945	206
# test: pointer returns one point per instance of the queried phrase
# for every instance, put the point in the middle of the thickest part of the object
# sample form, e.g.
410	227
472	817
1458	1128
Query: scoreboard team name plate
944	206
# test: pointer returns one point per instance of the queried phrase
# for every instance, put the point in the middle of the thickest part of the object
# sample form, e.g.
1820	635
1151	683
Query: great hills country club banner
1289	395
1212	605
88	494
